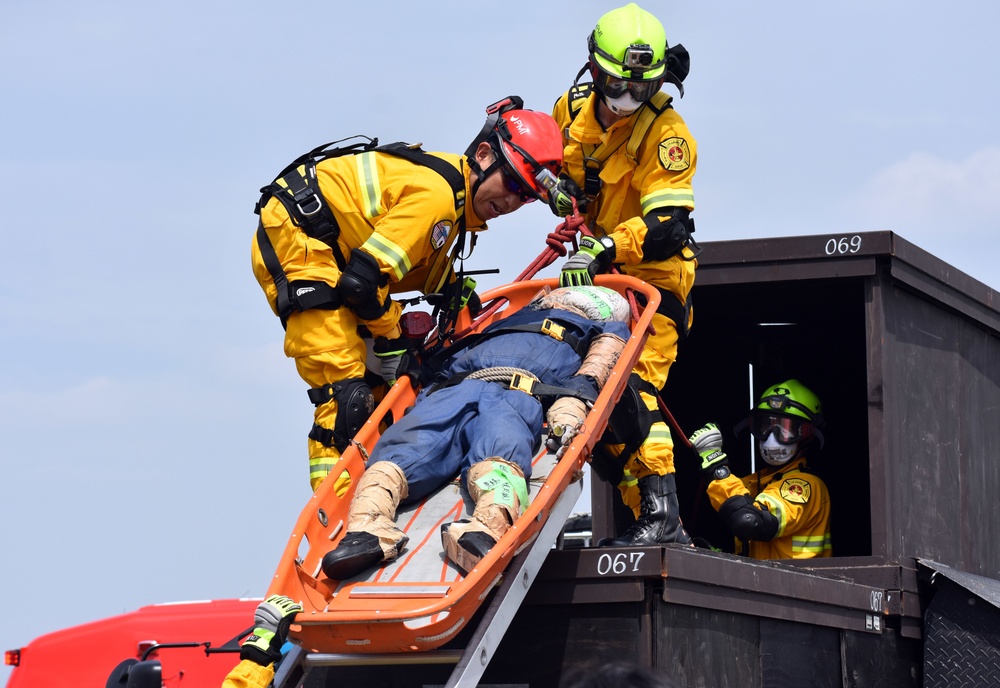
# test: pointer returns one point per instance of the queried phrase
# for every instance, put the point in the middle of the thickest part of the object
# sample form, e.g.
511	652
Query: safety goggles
512	184
786	430
613	87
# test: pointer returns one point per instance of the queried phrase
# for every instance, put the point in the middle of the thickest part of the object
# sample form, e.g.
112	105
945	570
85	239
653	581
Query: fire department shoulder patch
675	154
796	491
439	234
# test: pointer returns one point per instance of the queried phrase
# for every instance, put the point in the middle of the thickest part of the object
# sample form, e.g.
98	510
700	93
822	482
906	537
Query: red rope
564	233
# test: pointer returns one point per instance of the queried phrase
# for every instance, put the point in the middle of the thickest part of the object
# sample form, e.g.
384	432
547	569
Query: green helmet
629	43
791	398
787	418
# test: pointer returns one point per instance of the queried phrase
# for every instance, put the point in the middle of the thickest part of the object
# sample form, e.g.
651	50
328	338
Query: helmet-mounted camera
638	58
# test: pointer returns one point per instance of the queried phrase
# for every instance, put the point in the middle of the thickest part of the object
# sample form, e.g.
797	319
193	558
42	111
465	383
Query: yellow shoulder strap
659	102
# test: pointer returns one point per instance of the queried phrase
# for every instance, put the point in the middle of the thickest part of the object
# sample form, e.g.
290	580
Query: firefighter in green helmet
628	163
783	510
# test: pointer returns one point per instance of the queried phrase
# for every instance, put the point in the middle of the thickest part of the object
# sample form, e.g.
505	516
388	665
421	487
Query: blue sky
152	435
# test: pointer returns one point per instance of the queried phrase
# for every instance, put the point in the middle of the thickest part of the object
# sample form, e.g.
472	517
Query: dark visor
786	430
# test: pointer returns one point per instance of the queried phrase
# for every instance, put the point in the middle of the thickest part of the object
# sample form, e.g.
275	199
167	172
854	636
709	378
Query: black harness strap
297	188
418	156
543	392
552	327
596	156
669	306
297	295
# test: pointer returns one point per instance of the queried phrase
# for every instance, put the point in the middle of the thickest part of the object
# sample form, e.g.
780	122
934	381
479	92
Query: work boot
498	489
372	536
659	521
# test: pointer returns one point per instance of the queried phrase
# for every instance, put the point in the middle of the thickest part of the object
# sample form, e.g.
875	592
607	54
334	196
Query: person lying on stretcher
481	417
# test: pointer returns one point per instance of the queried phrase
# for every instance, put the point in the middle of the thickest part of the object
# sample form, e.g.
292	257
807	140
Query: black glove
707	441
561	197
271	621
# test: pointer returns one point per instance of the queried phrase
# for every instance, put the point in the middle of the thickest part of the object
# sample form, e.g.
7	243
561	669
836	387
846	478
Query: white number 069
843	245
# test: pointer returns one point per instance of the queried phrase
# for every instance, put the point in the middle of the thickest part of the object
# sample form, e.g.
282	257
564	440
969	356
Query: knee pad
355	404
630	420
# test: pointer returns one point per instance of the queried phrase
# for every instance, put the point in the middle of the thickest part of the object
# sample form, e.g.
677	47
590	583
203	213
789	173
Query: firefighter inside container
481	416
629	161
782	511
342	229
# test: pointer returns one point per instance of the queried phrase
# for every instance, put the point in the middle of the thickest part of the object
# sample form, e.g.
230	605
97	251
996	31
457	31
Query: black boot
659	520
357	552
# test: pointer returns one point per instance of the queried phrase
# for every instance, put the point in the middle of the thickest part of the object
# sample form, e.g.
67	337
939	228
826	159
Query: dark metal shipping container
904	351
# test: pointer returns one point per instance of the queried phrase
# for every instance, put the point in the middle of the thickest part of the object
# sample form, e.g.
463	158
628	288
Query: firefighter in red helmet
342	229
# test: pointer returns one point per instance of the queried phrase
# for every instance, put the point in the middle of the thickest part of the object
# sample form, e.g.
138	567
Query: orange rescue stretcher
420	601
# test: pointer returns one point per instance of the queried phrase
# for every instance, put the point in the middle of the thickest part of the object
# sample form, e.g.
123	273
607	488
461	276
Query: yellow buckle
522	382
553	329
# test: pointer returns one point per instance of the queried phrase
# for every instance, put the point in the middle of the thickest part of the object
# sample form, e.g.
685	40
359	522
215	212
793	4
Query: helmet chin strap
482	174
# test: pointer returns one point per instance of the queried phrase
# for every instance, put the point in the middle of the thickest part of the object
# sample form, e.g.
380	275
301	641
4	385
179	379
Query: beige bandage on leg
372	536
373	508
498	488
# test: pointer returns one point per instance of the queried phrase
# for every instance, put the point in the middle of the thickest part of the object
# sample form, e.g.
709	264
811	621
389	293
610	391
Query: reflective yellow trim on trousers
811	544
389	253
371	189
667	197
659	432
628	480
629	490
321	467
777	510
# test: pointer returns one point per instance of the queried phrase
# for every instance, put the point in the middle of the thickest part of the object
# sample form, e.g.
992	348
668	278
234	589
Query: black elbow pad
668	230
359	285
746	521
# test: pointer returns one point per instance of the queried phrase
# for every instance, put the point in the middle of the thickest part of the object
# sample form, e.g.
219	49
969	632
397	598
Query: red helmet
525	142
529	141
